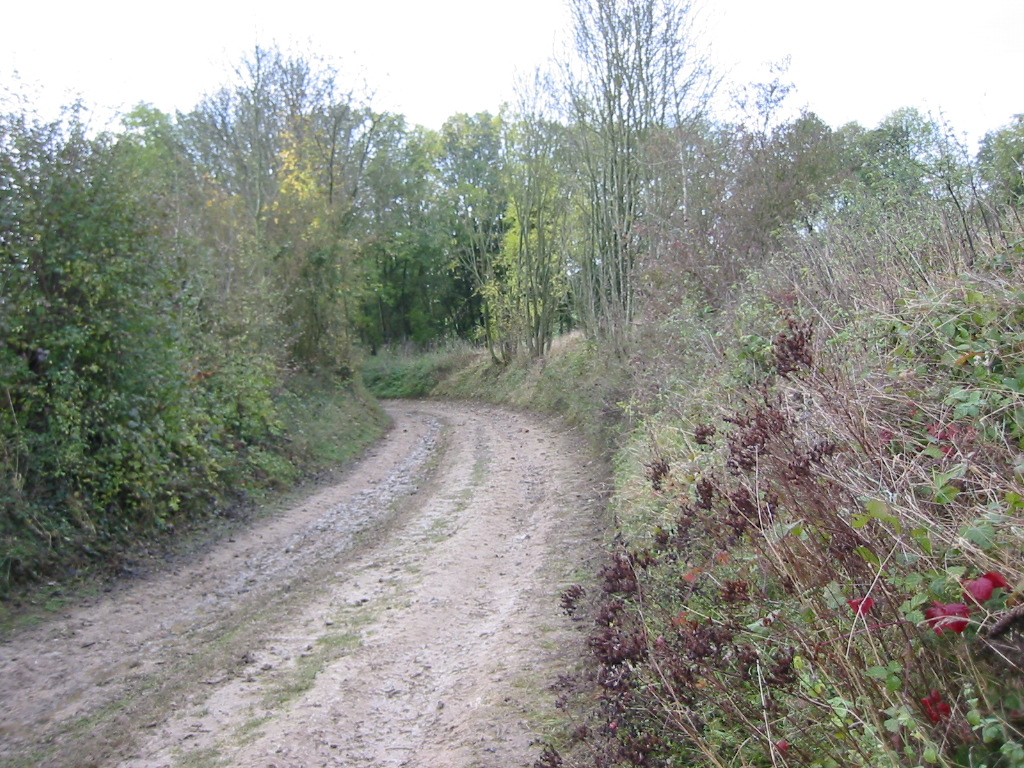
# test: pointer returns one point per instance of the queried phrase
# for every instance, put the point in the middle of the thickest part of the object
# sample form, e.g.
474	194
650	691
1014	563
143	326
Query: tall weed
822	511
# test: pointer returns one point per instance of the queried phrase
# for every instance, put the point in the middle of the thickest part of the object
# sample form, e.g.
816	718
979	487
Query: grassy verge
574	381
326	424
399	373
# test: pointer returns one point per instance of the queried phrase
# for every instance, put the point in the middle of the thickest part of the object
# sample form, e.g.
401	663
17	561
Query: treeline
162	286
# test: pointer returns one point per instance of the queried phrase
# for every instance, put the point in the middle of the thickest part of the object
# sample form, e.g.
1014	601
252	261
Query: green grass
393	374
328	423
296	681
291	683
574	381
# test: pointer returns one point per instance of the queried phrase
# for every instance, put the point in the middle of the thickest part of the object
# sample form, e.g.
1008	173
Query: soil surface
407	615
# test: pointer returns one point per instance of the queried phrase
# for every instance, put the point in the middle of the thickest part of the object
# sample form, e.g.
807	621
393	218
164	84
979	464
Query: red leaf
951	616
997	580
979	590
861	605
935	707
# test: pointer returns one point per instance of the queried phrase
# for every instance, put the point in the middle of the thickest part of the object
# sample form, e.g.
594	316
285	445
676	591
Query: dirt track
406	616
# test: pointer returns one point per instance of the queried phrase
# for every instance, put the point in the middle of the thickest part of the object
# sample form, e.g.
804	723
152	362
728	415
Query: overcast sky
429	59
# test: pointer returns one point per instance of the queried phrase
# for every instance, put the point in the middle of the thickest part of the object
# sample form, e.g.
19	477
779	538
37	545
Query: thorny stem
764	710
868	628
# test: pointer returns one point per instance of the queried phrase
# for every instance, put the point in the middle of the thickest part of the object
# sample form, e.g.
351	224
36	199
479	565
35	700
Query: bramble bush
831	571
821	518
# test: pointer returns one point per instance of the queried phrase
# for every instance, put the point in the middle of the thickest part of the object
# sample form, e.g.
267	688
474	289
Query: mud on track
406	616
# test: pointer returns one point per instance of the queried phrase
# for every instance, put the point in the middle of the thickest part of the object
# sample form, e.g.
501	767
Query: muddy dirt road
406	616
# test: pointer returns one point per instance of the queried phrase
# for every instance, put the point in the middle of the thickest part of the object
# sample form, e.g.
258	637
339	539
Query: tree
534	292
285	153
687	222
233	138
635	70
412	292
920	175
314	229
1001	159
472	173
897	158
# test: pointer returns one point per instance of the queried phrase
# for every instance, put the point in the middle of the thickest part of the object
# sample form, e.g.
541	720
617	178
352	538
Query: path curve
406	616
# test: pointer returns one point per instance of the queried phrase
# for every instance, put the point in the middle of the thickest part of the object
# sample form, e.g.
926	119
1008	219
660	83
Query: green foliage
89	374
1001	158
127	405
327	423
415	294
471	166
530	290
968	346
392	373
896	157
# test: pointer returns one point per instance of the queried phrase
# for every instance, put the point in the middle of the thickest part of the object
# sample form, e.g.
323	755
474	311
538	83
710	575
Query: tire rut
406	616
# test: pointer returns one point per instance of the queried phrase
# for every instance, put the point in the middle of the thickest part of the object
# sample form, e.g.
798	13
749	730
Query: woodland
807	343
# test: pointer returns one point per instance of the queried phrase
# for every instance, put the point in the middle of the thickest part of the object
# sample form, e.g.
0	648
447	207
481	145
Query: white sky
429	59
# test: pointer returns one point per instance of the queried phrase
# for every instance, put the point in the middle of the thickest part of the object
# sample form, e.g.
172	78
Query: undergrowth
315	424
821	523
398	373
820	516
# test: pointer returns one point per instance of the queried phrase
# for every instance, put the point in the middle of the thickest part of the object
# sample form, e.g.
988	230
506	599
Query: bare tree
635	68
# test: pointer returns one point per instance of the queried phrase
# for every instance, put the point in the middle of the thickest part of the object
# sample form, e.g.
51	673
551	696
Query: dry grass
824	473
